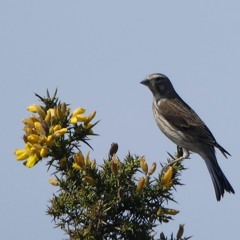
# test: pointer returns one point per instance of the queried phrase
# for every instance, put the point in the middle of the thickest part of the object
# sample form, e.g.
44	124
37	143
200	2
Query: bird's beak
145	82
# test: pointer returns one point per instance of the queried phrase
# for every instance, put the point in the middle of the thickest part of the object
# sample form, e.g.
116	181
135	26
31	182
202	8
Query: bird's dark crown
160	86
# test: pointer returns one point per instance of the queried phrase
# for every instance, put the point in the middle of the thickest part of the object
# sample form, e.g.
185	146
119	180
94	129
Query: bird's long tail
220	182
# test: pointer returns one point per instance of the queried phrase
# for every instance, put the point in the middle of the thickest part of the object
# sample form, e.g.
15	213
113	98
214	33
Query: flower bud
114	167
144	165
167	177
113	150
87	159
140	185
63	162
159	212
89	180
93	163
63	108
152	169
60	114
180	231
171	211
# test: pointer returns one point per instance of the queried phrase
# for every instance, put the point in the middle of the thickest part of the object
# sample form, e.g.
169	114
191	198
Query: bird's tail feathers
223	151
220	182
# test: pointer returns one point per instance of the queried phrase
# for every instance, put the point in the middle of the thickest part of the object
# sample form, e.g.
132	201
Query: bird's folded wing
184	119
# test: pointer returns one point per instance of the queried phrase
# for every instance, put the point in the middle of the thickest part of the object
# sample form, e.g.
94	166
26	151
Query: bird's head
160	86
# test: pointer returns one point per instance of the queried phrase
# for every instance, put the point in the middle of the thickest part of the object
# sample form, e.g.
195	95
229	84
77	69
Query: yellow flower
21	154
53	181
59	133
53	113
44	151
49	140
78	111
34	119
32	153
77	116
89	118
32	108
39	128
78	161
48	117
81	118
61	111
37	109
57	127
73	120
76	166
32	160
56	113
33	138
28	122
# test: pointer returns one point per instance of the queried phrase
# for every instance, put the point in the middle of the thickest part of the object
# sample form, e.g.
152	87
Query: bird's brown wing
184	119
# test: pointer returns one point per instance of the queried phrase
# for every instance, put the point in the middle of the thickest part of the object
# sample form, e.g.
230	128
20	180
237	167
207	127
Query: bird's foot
182	154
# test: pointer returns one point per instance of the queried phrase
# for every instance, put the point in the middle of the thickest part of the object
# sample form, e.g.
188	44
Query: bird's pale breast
176	136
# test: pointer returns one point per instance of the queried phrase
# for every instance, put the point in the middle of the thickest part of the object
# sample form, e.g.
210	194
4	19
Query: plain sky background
96	53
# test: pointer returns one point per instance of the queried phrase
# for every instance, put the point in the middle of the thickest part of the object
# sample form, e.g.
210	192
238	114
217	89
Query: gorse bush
118	199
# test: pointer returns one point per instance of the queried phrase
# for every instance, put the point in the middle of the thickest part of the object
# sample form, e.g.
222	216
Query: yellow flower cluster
144	167
144	181
46	127
40	132
78	117
81	162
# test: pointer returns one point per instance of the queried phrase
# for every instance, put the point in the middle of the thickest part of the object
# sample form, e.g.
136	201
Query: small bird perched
185	128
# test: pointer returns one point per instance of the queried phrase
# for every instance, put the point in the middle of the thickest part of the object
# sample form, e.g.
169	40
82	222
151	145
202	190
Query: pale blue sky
96	53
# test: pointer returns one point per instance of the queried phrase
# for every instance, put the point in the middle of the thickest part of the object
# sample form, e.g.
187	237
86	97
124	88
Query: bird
181	124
